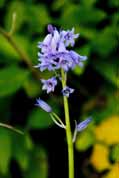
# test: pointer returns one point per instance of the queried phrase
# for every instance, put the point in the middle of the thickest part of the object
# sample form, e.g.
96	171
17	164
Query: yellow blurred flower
108	131
114	173
99	158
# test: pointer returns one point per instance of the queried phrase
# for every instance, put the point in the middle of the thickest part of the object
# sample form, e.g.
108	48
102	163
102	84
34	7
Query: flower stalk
68	131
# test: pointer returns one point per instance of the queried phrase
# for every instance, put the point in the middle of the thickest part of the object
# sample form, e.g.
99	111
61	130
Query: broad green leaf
11	79
85	140
39	119
5	150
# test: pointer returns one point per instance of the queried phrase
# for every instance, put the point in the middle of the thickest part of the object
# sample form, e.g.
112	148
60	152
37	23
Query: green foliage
115	153
11	79
76	14
38	167
39	119
111	72
7	50
21	149
17	7
101	41
5	150
85	140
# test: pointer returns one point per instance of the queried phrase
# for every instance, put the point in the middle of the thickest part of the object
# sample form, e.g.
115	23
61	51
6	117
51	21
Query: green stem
68	130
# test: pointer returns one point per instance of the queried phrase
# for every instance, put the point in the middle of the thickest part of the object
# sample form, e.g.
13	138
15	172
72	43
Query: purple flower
67	91
69	37
42	104
78	59
49	84
53	53
81	126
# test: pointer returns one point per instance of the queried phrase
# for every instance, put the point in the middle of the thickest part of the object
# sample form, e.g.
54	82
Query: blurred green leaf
108	69
88	3
88	33
20	9
85	140
2	2
76	14
5	150
11	79
115	153
22	146
114	3
38	18
32	87
109	109
59	4
5	103
7	52
23	42
38	167
39	119
78	70
101	41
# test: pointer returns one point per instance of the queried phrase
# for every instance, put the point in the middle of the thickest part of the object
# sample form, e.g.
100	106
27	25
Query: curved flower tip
67	91
81	126
42	104
49	84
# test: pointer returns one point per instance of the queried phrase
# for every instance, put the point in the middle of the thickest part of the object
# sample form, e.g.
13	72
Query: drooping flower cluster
54	55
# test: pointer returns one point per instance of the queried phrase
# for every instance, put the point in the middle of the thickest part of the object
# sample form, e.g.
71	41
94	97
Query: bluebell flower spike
54	54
